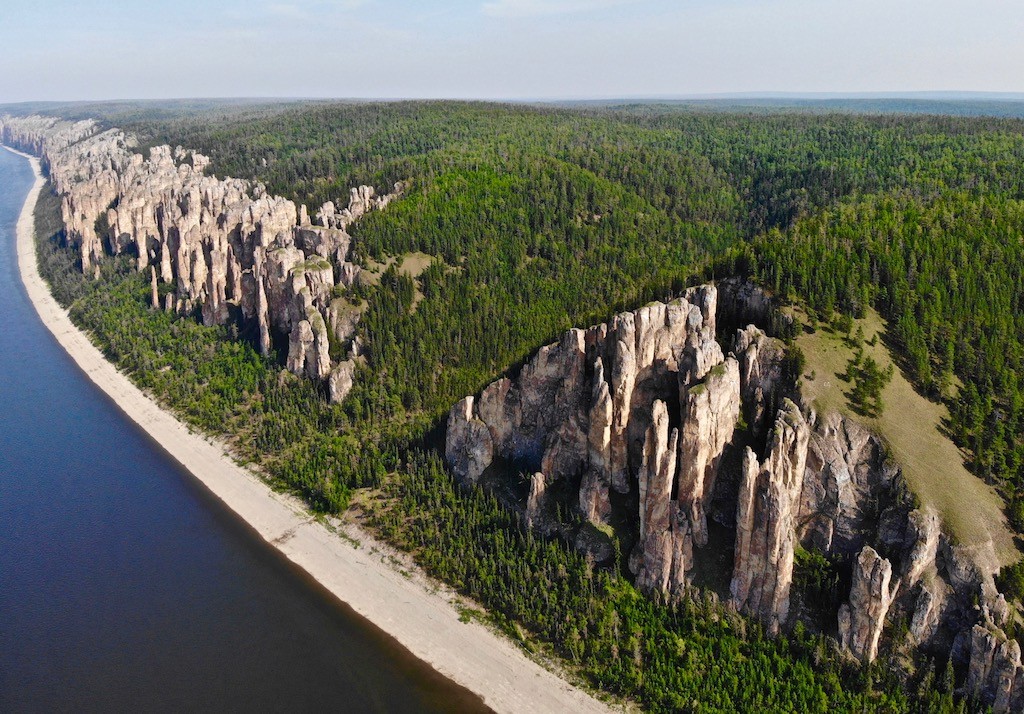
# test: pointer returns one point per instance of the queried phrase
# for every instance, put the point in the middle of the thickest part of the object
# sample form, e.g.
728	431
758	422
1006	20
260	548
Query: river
125	586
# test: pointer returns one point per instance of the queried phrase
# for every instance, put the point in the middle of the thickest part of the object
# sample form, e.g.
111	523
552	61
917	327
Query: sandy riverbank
416	611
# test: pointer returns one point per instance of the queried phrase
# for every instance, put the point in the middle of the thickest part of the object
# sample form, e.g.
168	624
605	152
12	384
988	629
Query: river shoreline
365	574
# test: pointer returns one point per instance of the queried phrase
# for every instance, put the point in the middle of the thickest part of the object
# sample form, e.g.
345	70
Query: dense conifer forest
540	218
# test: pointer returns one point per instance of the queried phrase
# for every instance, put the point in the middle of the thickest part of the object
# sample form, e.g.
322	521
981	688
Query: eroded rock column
862	619
709	414
765	523
660	561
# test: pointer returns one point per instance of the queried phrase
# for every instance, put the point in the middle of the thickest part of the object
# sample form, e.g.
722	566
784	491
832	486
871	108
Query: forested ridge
578	214
540	219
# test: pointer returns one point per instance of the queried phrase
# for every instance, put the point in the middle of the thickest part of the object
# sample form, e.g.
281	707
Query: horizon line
928	95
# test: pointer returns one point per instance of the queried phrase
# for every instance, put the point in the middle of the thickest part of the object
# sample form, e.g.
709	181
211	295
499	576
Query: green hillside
534	220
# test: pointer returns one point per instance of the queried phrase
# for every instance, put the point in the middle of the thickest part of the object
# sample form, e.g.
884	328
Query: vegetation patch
538	220
913	427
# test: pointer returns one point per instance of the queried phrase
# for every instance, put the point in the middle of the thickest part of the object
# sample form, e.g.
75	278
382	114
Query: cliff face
224	246
862	619
766	522
639	419
663	531
995	671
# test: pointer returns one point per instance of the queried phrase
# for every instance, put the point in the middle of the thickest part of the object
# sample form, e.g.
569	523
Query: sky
504	49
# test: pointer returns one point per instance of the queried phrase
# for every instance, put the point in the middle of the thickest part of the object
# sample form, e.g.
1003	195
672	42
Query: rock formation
594	501
340	382
766	521
662	558
229	250
535	501
760	374
862	619
648	405
469	448
593	409
995	673
836	507
581	406
709	413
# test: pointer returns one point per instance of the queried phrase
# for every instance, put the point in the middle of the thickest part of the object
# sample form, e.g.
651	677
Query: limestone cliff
862	619
766	521
662	557
995	673
228	250
836	507
637	424
709	413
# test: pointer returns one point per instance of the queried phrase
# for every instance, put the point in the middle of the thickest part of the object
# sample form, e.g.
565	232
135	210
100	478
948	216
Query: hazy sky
104	49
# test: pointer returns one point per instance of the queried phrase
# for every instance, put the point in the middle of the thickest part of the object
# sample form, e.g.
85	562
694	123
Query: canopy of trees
544	218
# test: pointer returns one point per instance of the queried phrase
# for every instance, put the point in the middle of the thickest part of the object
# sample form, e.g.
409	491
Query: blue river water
125	586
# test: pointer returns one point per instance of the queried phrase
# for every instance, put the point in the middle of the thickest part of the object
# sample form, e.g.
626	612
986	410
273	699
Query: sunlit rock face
995	673
766	521
229	250
636	420
862	619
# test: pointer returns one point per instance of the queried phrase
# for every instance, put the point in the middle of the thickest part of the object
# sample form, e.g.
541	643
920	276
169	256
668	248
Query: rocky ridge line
647	406
223	247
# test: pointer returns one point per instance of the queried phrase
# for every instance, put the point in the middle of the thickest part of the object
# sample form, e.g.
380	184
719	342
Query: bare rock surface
227	248
995	673
469	448
341	380
535	501
862	619
593	410
760	365
710	410
766	520
846	474
594	499
662	560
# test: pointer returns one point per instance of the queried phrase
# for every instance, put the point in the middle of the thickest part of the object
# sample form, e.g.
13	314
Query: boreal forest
530	220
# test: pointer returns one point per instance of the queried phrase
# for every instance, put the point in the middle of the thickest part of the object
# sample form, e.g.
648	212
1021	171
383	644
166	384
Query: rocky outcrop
308	348
710	410
922	544
41	135
649	405
766	521
228	250
760	375
340	383
661	557
469	448
592	411
535	501
995	673
594	500
361	200
847	473
581	407
862	619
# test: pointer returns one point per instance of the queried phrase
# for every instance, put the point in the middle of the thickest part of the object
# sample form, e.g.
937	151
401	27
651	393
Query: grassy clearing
913	428
414	263
411	264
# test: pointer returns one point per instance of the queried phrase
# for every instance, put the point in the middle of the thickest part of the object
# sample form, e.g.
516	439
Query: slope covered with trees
539	219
